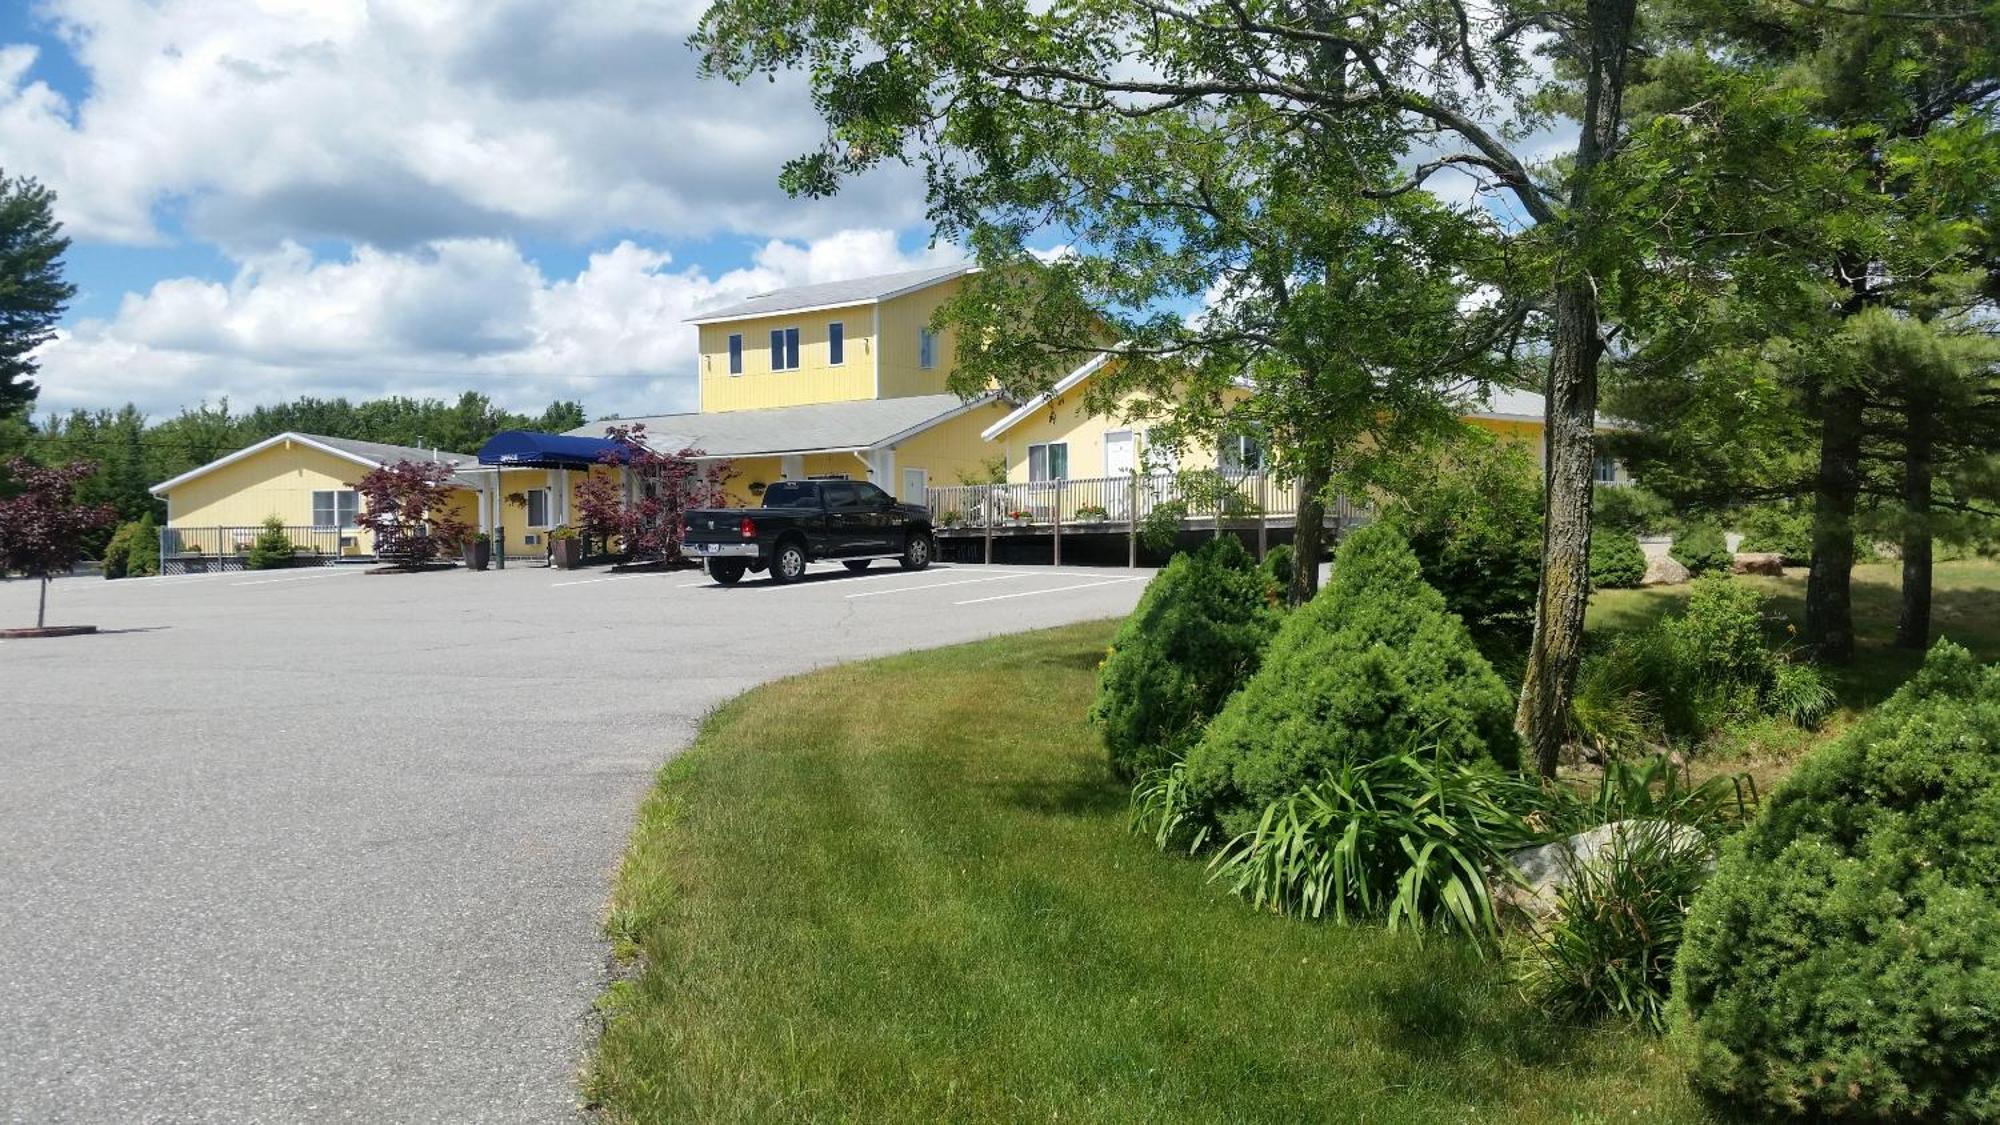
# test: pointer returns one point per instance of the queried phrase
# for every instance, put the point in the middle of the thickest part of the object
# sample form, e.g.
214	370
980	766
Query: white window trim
1045	446
784	350
830	326
528	513
353	519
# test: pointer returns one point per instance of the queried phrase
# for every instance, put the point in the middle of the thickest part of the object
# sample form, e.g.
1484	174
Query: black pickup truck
804	521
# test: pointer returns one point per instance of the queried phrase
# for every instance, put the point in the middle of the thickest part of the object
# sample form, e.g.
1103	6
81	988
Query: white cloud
432	320
396	122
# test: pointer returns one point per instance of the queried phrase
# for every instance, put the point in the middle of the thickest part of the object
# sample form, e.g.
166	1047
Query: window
736	353
538	507
791	494
926	348
836	344
841	494
1607	469
1241	453
336	508
784	349
1048	462
870	495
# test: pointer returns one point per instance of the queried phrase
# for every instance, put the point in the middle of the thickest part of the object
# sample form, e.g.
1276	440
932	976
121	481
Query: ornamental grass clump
1372	666
1844	960
1194	638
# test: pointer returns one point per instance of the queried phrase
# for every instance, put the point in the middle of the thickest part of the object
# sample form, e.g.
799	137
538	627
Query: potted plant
950	519
1020	515
1092	513
479	551
565	548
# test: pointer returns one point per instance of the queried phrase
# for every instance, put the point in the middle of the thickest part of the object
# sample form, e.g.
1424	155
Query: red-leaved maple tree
668	484
410	507
42	527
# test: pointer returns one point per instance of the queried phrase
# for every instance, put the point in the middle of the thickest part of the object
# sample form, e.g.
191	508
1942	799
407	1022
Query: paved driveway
316	845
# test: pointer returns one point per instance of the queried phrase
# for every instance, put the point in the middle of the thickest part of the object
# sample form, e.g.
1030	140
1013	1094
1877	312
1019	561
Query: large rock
1550	868
1758	562
1664	570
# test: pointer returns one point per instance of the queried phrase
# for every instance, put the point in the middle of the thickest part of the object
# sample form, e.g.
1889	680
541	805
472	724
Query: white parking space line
594	581
1055	590
296	578
942	585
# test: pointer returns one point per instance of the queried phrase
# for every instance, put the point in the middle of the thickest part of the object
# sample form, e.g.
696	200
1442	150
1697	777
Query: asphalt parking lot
323	845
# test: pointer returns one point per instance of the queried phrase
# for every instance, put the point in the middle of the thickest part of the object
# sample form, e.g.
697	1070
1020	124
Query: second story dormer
839	341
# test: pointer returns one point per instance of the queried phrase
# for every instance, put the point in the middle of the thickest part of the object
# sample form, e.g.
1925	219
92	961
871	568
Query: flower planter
478	556
566	554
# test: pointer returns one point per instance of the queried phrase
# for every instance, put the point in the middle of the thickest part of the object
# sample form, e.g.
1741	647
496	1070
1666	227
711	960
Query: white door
1118	453
916	486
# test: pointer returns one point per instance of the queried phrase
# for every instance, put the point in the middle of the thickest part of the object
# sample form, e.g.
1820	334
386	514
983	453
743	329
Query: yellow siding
278	481
1067	420
815	380
902	318
950	452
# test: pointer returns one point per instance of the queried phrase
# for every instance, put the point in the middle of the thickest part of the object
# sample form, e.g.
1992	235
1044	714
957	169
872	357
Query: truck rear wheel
726	572
917	551
788	562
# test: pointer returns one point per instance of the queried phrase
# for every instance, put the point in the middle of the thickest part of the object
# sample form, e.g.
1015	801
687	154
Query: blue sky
361	197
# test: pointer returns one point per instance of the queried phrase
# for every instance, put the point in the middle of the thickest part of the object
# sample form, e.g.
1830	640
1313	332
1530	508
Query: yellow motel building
838	380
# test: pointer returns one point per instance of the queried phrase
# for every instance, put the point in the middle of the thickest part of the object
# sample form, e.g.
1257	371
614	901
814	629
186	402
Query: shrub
1702	549
1611	946
1371	666
1161	527
1408	836
1477	531
1194	638
1844	961
1617	562
272	549
1779	528
133	550
1279	565
1631	508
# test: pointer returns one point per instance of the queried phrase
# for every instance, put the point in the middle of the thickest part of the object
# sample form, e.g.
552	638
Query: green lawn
1965	606
903	891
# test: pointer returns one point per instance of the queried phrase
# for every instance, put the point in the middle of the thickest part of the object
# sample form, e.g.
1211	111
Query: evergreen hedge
1844	961
1374	665
1194	638
272	549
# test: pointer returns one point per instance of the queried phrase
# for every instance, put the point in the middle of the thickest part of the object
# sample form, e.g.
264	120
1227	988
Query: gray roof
832	294
382	453
862	424
1505	402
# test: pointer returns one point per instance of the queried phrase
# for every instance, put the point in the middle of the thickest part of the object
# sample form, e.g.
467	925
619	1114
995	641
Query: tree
1862	221
561	416
411	510
33	293
1013	110
668	485
43	527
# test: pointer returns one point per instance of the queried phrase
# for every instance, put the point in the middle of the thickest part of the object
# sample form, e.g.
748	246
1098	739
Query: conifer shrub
1279	564
1373	665
272	549
134	549
1844	960
1194	638
1702	548
1617	562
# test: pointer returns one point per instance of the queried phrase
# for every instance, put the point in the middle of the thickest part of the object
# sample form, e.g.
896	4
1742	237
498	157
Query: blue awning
526	449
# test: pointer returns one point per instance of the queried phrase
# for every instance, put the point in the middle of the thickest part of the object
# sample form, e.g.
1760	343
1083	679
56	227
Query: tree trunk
1913	628
1543	715
1309	532
42	605
1829	604
1577	346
